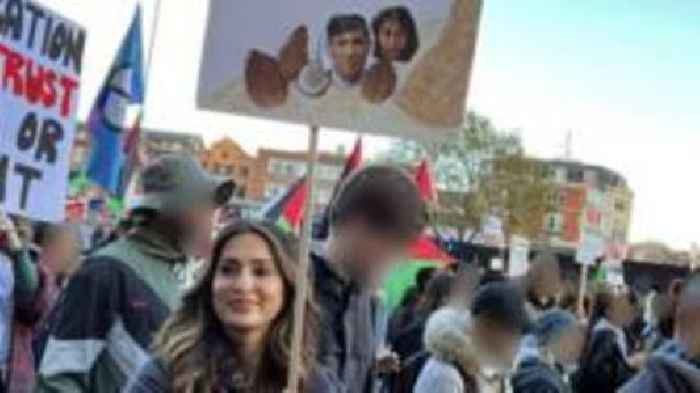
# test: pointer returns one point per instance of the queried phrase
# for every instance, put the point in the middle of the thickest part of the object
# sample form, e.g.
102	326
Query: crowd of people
124	318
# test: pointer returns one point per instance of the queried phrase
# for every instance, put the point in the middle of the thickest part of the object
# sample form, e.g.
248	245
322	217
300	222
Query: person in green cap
123	292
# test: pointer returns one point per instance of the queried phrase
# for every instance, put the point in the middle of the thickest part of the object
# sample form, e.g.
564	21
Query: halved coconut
314	80
379	82
294	55
265	84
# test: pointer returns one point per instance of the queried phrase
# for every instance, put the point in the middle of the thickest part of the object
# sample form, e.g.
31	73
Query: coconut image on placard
386	67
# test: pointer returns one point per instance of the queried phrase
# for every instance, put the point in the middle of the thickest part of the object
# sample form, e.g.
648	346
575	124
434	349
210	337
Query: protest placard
400	68
519	256
41	56
592	247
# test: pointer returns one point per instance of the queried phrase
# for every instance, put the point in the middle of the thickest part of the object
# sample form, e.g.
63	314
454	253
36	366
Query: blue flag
123	88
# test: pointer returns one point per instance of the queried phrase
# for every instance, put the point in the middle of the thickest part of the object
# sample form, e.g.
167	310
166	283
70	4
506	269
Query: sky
622	76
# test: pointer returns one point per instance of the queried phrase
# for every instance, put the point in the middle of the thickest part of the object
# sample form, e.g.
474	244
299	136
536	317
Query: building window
290	169
329	172
244	171
324	196
554	223
274	190
620	206
560	174
590	177
575	175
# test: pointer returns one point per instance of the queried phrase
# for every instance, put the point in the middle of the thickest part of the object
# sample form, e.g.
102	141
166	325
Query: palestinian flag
425	183
287	211
424	253
353	162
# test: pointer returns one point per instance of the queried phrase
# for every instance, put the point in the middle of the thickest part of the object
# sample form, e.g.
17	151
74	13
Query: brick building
269	173
226	158
591	197
156	143
275	170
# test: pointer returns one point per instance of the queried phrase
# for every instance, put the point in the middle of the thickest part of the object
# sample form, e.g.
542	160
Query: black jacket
604	368
348	342
534	376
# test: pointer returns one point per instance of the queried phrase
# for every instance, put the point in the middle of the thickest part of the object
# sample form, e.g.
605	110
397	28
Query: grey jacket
348	342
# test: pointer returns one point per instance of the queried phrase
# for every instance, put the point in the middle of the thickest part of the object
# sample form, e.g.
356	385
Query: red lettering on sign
37	84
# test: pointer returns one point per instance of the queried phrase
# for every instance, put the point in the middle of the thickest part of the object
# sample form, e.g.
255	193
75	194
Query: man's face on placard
349	51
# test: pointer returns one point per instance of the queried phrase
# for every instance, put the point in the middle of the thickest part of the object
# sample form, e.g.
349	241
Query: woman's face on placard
392	39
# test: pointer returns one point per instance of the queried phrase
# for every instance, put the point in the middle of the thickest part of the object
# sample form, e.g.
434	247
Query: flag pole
155	21
302	278
583	285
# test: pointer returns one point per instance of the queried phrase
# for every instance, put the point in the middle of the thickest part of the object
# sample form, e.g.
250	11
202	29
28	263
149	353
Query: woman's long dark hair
192	343
402	15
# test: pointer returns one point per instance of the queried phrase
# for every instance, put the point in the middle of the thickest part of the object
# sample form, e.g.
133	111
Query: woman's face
392	39
248	288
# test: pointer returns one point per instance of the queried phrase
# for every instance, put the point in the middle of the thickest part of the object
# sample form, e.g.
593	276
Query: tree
518	191
457	158
482	172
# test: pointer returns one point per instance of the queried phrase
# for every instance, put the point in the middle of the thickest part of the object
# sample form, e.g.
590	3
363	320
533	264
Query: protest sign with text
41	56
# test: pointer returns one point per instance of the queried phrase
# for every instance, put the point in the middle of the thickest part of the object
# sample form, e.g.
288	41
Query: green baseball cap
173	183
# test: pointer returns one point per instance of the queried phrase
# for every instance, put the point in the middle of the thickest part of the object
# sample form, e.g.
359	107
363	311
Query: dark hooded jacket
665	373
604	367
535	376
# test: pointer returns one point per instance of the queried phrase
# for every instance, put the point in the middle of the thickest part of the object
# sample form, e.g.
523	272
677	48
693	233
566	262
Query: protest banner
41	56
340	64
519	256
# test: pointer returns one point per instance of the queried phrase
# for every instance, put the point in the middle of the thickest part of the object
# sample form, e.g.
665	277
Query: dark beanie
503	303
553	324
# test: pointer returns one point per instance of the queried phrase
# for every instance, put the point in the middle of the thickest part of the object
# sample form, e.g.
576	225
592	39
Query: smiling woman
232	331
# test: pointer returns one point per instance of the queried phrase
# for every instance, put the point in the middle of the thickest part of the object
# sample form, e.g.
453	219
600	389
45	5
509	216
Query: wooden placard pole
583	284
303	268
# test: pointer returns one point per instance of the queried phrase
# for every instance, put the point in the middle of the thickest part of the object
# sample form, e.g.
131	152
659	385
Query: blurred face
248	288
546	282
199	222
569	347
622	312
392	39
349	51
497	346
688	325
366	255
63	253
